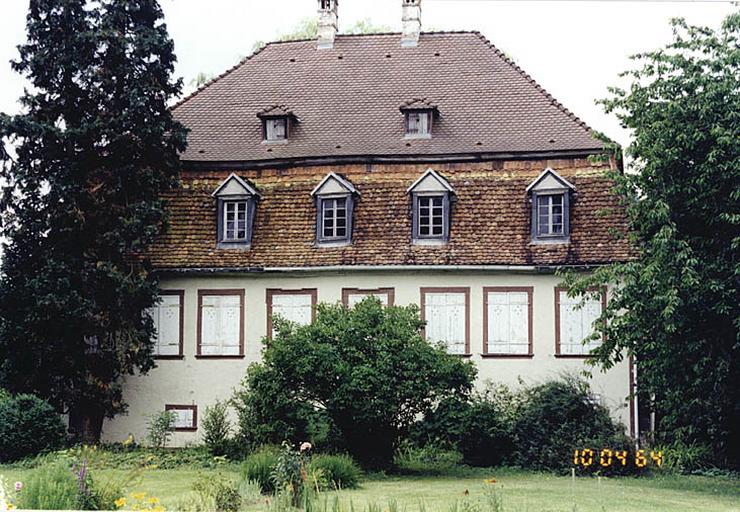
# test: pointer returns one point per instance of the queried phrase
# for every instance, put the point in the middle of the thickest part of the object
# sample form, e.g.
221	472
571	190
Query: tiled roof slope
490	219
347	99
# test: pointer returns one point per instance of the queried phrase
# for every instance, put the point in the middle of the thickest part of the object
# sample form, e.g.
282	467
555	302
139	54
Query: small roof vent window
277	123
420	115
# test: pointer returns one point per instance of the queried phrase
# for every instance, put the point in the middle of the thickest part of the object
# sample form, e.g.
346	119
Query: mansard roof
490	219
348	98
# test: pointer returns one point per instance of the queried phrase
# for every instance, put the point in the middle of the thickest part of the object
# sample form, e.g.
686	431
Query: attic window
419	118
335	198
551	196
431	196
276	128
236	203
326	5
277	122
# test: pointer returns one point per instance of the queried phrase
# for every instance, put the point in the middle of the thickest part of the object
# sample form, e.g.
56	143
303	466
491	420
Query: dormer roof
550	180
334	184
430	181
418	104
234	186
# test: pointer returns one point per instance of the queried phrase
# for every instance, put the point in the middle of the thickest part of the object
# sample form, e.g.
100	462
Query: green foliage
679	457
216	428
258	466
4	395
340	471
50	487
160	427
28	426
367	369
219	490
481	427
288	474
96	148
676	310
431	459
557	417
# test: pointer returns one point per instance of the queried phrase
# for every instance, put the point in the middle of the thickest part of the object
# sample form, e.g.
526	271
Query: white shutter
356	297
446	319
183	418
577	323
220	325
168	326
508	323
296	308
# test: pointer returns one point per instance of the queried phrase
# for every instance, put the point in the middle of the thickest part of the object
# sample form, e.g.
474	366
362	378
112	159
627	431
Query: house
418	167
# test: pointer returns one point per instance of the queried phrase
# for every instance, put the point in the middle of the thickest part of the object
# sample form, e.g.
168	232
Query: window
186	417
507	321
235	221
276	128
550	215
168	323
431	217
334	219
447	315
573	324
418	123
294	305
351	296
220	323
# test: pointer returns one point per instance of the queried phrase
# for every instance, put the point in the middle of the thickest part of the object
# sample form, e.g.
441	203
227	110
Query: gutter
523	269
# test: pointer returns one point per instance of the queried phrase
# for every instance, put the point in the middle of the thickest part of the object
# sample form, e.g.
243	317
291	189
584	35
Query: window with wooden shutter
293	305
576	323
168	323
508	321
220	323
186	416
446	312
352	296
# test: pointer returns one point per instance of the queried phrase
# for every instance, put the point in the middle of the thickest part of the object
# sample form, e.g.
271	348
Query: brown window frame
212	292
452	289
603	291
390	292
271	292
194	408
529	290
181	353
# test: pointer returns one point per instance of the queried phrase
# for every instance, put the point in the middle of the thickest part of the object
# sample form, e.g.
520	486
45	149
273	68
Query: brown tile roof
490	219
348	98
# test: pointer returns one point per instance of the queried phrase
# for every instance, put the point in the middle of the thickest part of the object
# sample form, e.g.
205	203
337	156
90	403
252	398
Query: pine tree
96	148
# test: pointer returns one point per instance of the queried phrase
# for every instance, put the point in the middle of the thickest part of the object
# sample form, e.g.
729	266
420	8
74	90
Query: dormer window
276	123
335	197
419	118
551	196
236	203
430	197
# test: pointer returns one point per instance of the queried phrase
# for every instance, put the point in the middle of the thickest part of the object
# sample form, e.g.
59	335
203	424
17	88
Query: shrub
218	490
558	417
50	487
258	467
28	426
216	428
340	471
160	428
680	457
428	460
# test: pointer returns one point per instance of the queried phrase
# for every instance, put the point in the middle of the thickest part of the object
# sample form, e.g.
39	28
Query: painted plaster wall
200	381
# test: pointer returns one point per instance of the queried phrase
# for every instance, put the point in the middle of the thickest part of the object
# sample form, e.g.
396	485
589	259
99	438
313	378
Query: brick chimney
411	22
328	23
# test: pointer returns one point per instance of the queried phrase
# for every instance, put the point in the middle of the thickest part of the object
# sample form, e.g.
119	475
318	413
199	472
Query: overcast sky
574	49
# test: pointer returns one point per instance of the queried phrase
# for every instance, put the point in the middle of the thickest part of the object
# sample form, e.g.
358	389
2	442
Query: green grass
521	491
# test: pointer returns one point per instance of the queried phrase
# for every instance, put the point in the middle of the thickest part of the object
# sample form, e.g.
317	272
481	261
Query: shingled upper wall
490	218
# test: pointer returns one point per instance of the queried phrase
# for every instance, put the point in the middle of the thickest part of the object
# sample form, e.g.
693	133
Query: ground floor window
186	416
574	322
220	323
446	312
351	296
507	329
297	306
168	323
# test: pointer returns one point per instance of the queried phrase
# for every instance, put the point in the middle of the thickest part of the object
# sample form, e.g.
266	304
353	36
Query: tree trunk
86	423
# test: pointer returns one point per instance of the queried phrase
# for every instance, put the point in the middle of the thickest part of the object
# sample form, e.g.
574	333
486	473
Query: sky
574	49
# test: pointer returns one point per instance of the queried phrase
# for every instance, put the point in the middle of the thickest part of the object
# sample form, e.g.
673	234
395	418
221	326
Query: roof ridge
537	86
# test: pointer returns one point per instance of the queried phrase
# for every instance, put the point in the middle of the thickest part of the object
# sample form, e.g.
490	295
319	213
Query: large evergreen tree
96	146
677	309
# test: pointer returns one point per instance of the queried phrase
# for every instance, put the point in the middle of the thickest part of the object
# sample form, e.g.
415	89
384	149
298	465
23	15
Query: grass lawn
520	491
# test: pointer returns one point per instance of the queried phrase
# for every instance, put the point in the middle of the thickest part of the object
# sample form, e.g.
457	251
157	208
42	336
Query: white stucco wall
201	381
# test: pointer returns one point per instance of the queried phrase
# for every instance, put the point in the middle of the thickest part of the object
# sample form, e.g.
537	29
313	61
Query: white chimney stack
328	23
411	23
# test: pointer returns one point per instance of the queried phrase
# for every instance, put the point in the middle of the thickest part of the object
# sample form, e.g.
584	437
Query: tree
96	147
676	310
367	368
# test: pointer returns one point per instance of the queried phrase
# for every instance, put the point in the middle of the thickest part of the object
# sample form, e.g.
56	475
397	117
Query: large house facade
422	168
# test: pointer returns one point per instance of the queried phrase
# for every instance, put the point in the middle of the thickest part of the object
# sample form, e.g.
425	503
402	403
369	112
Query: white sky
574	49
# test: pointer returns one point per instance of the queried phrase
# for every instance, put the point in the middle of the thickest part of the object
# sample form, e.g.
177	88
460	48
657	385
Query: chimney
328	23
411	23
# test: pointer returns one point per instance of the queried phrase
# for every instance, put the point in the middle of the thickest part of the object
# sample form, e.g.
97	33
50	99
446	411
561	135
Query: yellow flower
138	496
158	508
11	506
120	502
153	500
491	480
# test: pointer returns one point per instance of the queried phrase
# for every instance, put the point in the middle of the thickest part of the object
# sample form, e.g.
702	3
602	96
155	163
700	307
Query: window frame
194	408
181	353
535	220
558	289
265	131
416	214
220	292
224	233
465	290
389	292
221	241
429	123
349	211
270	293
529	290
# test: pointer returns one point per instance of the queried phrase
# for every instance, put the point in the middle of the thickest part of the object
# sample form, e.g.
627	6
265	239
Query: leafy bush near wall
28	426
685	458
216	428
340	471
431	459
258	466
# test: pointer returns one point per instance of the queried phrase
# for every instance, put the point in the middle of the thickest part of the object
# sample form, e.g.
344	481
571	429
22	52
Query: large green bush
340	471
367	369
28	426
216	428
558	417
258	467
